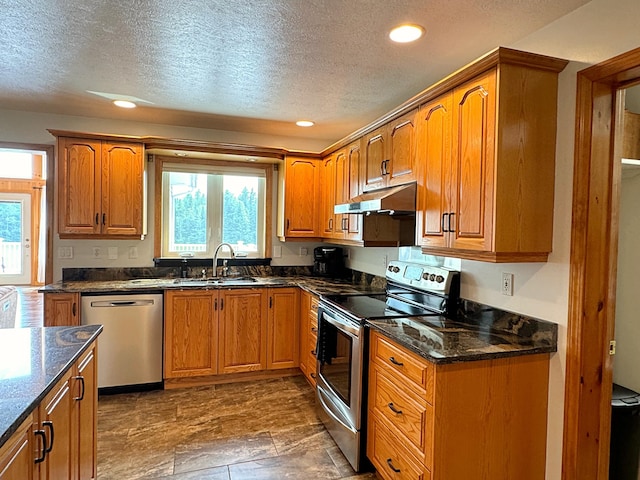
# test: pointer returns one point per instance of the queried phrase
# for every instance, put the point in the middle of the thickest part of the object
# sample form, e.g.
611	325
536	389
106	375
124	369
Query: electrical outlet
113	253
96	252
507	284
384	261
133	252
65	252
303	251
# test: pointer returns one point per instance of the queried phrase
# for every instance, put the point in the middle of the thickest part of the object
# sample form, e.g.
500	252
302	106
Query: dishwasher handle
122	303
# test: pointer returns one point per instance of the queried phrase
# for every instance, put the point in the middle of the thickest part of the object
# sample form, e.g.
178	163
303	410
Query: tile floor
260	430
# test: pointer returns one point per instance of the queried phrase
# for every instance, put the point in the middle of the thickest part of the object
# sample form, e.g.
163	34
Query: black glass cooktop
373	306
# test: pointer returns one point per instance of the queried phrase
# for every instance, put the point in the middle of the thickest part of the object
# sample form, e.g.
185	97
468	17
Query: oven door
340	357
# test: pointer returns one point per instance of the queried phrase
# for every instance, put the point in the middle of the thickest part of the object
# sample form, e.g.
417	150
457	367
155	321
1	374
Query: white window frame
214	204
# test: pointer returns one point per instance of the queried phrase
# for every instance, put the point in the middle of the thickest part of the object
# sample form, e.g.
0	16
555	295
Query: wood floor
261	430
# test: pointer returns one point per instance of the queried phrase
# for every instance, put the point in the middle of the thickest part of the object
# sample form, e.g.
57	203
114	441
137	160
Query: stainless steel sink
216	281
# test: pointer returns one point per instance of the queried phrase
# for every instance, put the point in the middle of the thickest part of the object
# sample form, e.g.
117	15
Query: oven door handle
342	325
329	412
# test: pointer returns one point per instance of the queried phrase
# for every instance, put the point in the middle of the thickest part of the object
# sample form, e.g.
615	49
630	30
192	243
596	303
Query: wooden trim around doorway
593	267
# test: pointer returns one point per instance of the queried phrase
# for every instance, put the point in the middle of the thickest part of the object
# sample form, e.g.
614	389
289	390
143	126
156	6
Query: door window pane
11	238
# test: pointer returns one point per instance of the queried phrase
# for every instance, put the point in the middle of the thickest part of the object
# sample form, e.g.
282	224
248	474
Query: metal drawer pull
49	425
81	397
44	444
390	463
394	409
314	329
395	362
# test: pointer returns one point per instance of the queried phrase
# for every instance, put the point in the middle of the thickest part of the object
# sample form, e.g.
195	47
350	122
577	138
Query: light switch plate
113	253
277	251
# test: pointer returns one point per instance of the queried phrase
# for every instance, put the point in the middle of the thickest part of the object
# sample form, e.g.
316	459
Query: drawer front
410	419
314	306
392	462
415	371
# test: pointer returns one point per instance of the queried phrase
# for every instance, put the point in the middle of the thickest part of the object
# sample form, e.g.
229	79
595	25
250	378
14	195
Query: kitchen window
204	205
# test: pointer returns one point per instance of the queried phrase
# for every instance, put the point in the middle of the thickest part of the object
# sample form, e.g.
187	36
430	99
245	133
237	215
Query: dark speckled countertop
478	333
32	360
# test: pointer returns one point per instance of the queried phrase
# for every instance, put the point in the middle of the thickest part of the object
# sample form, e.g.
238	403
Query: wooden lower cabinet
308	335
16	455
85	398
484	420
230	331
61	309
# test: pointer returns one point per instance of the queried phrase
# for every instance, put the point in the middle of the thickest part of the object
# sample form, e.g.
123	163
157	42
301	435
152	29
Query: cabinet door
354	222
341	194
79	186
305	306
190	333
122	189
55	420
474	117
327	219
375	153
61	309
302	188
17	454
434	158
85	397
243	330
401	153
283	328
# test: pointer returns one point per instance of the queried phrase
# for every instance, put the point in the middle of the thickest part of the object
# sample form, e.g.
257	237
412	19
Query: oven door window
335	368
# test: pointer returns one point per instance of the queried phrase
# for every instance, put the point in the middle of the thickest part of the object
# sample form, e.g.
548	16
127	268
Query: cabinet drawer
391	460
409	419
417	373
314	306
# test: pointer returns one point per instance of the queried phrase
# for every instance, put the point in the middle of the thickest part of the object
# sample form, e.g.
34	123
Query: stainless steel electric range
413	290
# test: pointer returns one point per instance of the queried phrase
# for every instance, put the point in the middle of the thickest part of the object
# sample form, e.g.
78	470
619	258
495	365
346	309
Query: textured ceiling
252	65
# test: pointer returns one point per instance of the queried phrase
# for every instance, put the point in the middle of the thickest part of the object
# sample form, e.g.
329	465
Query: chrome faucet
225	269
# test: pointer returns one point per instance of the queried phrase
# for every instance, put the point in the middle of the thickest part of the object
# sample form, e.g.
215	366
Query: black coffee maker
328	262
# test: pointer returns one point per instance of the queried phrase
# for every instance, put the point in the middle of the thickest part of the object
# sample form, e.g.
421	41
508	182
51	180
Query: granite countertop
476	334
32	361
316	285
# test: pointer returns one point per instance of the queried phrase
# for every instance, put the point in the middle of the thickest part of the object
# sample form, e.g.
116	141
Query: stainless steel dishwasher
130	346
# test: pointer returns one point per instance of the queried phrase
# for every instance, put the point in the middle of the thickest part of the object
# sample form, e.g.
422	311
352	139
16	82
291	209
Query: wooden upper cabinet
389	154
486	151
353	222
243	330
328	200
301	192
101	188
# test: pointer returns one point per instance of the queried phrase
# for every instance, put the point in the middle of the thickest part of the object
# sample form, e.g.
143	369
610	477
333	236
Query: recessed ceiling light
124	104
305	123
406	33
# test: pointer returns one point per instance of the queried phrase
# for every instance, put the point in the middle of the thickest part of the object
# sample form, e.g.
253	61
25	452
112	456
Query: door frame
593	265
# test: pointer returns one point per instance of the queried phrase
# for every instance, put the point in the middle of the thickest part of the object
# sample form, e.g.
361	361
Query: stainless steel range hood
400	200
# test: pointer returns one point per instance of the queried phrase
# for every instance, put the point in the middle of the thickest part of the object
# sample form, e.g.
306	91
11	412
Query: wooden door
61	309
401	154
17	454
122	189
375	154
85	397
243	330
190	333
302	190
55	419
283	328
354	221
327	220
434	158
341	194
474	117
78	182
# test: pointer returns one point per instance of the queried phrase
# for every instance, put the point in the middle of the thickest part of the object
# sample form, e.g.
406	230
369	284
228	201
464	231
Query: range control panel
424	277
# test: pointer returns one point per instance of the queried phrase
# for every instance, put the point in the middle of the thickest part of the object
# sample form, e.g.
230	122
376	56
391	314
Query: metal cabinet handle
221	303
312	375
74	309
270	302
81	397
331	224
390	463
394	409
451	215
287	229
215	304
49	425
395	362
40	433
314	352
97	219
314	329
104	218
442	222
382	168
